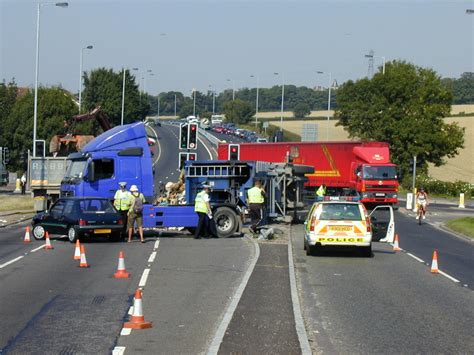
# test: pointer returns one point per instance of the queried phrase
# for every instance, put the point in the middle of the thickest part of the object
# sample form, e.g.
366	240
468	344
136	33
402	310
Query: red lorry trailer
361	166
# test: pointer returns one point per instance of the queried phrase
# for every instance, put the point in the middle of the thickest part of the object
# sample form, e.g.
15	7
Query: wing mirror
91	172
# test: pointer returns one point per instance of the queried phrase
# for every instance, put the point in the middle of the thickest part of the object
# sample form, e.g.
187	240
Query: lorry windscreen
75	169
379	172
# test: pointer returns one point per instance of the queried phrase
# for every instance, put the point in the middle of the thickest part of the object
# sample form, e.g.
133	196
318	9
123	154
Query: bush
301	110
445	188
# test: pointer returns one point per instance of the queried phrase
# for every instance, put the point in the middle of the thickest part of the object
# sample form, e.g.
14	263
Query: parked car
79	217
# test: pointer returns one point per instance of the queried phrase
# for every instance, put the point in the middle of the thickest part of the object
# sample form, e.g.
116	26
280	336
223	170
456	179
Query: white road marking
11	261
126	331
229	312
416	258
118	350
36	249
152	257
299	322
144	277
448	276
157	244
205	146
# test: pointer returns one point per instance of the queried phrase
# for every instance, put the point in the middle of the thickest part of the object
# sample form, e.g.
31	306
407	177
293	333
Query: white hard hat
134	188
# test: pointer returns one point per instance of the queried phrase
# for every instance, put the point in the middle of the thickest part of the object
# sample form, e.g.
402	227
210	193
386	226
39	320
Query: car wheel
367	251
72	234
225	219
39	232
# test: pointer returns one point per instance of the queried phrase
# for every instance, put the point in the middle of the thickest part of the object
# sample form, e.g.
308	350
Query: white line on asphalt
144	277
157	244
11	261
299	322
229	312
36	249
126	331
152	257
118	350
416	258
205	146
448	276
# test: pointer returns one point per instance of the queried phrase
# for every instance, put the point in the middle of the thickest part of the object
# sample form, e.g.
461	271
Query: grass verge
463	225
11	203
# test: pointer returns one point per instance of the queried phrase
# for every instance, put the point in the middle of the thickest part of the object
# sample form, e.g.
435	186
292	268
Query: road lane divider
36	249
118	350
229	312
448	276
144	278
416	258
152	257
11	261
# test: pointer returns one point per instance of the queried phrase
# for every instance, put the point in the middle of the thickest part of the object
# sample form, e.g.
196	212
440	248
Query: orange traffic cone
83	262
434	263
77	251
27	239
121	272
137	321
48	242
396	247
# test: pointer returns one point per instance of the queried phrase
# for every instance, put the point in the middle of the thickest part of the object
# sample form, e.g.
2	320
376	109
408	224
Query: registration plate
341	228
379	194
102	231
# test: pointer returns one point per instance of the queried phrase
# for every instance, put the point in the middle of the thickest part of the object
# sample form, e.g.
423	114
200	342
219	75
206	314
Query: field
21	203
459	168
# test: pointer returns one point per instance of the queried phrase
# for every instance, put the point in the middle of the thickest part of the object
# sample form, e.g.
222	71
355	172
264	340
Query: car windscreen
96	206
339	211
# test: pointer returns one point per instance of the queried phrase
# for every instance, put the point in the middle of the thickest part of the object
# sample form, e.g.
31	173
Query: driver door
383	224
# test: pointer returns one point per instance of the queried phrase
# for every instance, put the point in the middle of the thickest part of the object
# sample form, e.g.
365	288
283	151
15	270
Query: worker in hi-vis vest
256	199
321	191
202	207
122	202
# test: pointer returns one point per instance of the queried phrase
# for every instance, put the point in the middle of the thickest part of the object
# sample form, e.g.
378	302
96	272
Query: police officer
202	207
256	198
321	191
122	202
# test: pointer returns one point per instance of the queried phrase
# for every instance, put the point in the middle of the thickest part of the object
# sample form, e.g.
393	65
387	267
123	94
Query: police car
345	222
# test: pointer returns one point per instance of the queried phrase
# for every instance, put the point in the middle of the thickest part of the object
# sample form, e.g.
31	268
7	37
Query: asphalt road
390	303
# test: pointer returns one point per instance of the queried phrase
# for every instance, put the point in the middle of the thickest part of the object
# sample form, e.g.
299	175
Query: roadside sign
265	124
309	132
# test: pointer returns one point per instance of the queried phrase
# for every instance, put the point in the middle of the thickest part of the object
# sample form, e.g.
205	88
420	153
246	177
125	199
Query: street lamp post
233	88
194	102
80	76
213	99
376	56
123	96
329	102
35	109
282	98
256	101
175	105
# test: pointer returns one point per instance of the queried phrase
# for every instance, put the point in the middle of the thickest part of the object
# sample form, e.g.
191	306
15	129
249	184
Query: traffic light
183	136
40	151
5	155
23	158
183	157
234	152
193	136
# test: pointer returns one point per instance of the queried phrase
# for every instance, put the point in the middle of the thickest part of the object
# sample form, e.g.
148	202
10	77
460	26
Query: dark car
79	217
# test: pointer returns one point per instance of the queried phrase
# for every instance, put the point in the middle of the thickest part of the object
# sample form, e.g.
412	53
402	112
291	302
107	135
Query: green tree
8	97
405	107
238	111
463	89
103	87
301	110
55	106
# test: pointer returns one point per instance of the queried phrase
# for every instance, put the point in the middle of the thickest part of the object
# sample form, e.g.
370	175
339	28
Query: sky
195	44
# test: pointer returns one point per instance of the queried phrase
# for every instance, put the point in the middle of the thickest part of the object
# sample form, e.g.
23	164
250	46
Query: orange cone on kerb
121	272
27	239
434	263
396	247
48	242
137	320
83	262
77	251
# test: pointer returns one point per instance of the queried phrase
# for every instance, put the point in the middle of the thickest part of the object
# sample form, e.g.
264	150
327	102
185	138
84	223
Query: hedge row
438	187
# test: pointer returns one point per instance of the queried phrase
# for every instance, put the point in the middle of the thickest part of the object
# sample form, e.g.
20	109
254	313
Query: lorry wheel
38	232
72	234
226	222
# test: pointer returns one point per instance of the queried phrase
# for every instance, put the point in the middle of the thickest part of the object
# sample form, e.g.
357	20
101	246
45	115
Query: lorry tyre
72	234
226	222
39	232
